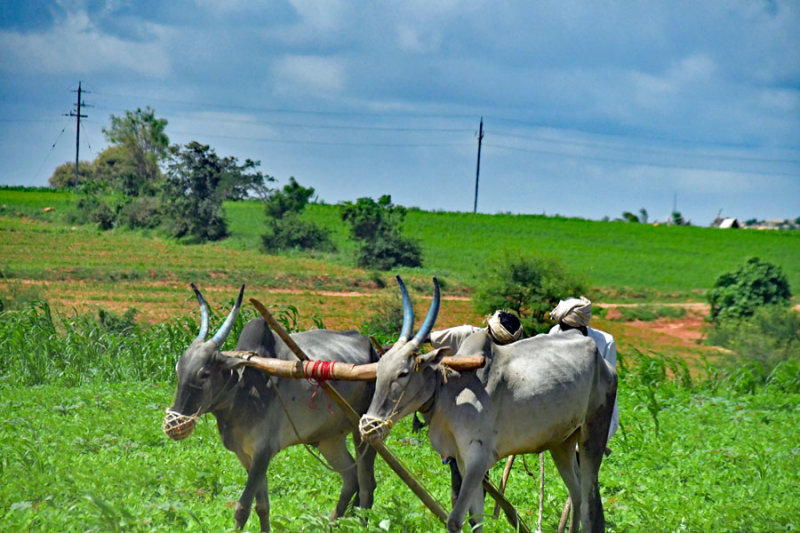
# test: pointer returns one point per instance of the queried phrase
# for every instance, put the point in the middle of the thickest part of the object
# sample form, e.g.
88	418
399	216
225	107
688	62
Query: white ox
543	393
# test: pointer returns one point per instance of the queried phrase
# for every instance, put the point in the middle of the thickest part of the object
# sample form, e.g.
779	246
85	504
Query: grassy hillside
617	257
621	260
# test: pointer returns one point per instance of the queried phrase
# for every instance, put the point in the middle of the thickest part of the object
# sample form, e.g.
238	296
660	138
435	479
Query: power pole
78	116
478	169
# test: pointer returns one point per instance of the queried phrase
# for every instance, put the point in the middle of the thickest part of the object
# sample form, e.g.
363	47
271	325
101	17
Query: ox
258	416
548	392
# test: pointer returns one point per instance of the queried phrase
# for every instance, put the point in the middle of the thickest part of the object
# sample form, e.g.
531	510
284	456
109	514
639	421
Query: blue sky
590	108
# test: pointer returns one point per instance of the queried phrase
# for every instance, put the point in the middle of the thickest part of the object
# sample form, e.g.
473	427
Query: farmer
575	313
503	327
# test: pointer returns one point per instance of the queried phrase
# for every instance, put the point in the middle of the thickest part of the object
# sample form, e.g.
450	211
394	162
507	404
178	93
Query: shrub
377	225
142	212
286	229
761	342
754	284
293	232
528	285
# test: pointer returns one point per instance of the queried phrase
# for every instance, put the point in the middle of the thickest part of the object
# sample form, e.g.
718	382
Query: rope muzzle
374	429
178	426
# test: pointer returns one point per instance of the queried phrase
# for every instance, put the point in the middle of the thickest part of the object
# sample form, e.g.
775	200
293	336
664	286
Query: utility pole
78	116
478	168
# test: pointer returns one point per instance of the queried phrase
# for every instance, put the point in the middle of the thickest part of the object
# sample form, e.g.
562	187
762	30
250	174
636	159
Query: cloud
74	44
309	74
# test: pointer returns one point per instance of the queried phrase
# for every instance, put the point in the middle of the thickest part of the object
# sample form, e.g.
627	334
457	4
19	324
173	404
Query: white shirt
608	349
452	337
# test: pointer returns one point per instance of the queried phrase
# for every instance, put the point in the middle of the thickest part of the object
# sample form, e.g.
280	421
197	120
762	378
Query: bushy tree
754	284
377	225
143	138
529	285
285	228
197	183
64	175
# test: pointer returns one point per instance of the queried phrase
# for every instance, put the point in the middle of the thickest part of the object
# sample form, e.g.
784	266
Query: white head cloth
500	333
575	312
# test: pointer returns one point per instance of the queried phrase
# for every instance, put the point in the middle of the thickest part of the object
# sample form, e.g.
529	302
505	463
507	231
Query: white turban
575	312
500	333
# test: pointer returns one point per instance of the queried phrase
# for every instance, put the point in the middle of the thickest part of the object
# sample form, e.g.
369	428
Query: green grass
94	459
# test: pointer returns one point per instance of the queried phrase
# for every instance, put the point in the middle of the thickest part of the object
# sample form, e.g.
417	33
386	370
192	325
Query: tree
286	229
197	183
627	216
529	285
64	175
142	136
377	225
753	285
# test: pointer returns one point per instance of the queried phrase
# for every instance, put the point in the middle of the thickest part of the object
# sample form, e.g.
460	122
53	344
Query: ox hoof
240	515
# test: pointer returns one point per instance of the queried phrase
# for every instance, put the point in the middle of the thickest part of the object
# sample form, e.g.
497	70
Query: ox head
204	374
405	381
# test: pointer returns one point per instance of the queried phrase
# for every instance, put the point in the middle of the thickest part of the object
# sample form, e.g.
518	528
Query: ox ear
432	358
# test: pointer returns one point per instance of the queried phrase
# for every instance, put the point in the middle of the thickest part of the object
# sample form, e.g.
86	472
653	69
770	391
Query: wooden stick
511	513
354	417
503	483
339	371
562	524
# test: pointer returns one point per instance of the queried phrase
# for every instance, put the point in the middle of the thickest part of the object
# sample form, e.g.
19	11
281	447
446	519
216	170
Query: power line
640	149
322	143
633	162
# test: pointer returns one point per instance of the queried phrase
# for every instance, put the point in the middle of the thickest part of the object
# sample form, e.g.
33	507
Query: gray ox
543	393
258	416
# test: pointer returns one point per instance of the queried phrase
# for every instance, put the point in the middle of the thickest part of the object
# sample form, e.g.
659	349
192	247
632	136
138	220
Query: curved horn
430	320
408	313
203	314
225	329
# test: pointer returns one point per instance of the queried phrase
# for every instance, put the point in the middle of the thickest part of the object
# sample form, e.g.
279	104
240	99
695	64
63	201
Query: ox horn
408	319
408	313
430	320
203	314
225	329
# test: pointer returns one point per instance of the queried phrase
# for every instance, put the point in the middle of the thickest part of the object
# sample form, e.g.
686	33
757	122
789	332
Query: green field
619	260
701	449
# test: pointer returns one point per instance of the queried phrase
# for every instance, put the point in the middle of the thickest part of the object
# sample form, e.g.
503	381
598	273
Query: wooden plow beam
394	463
337	371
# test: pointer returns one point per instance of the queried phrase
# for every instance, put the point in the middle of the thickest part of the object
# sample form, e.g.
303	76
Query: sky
589	109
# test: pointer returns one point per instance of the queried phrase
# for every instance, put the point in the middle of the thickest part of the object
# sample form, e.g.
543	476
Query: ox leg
470	497
365	467
335	452
256	480
594	435
262	505
566	462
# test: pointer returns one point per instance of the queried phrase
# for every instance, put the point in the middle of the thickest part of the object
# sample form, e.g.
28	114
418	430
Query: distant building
726	223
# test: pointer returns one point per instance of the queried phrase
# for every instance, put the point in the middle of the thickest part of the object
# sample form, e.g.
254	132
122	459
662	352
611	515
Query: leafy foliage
377	225
144	141
528	285
64	175
754	284
760	343
285	228
198	181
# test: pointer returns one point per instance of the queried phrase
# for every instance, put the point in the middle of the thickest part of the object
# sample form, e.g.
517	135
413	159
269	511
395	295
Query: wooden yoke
338	371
